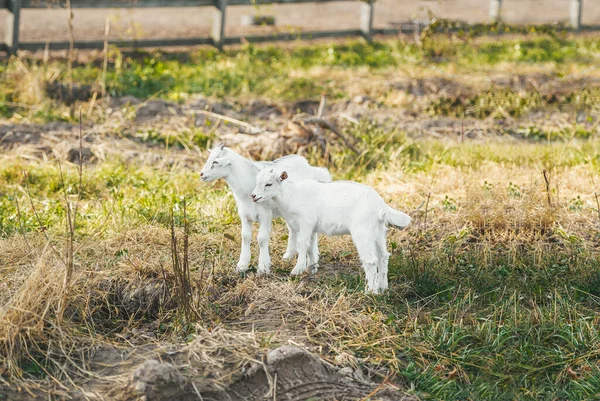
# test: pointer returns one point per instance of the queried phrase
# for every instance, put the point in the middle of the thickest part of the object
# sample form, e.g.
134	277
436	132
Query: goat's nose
201	174
253	196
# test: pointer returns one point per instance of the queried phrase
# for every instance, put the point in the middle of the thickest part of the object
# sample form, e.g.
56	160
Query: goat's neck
242	177
284	198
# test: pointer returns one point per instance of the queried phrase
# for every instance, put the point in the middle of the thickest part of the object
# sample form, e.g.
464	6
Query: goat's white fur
335	208
240	174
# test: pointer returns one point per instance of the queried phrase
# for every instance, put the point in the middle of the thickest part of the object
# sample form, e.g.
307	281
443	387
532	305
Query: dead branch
251	128
327	124
349	118
321	107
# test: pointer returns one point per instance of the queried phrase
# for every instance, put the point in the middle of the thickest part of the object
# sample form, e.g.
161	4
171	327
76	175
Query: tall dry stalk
71	47
71	225
547	182
181	267
101	81
105	55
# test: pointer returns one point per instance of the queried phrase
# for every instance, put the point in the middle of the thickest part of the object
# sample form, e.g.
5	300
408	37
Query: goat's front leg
290	251
303	244
264	232
244	261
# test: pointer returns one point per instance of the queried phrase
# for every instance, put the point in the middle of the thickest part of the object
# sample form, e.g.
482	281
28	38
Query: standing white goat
335	208
240	174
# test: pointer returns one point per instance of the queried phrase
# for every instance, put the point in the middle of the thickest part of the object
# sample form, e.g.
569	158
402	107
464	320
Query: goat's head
268	182
216	165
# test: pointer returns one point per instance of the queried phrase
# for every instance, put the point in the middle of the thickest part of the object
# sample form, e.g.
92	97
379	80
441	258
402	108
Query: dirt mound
31	133
287	373
291	373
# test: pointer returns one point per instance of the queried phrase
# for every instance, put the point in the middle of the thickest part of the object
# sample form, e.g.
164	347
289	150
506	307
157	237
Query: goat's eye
268	185
215	163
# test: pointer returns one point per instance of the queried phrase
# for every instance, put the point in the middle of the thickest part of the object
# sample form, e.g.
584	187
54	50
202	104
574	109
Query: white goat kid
334	208
240	174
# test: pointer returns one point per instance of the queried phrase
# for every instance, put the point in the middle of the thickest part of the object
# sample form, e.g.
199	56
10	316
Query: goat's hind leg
367	250
383	257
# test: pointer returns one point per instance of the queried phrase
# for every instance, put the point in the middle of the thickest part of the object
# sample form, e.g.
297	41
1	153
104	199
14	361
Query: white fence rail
217	37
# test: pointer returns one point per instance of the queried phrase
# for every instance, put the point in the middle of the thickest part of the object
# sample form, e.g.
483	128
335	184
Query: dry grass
493	288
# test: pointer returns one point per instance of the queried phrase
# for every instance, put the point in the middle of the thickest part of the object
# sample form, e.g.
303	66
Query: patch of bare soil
266	129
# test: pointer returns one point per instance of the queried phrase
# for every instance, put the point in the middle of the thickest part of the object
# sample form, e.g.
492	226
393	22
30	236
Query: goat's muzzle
254	198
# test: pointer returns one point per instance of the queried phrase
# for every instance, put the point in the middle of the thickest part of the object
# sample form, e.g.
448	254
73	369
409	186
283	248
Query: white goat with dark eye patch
240	174
334	208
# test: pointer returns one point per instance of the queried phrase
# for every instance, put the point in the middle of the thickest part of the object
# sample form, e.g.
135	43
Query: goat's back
298	168
336	208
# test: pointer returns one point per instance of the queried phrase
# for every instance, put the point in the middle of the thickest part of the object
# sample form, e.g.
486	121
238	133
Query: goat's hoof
288	255
374	291
314	268
263	270
242	268
297	272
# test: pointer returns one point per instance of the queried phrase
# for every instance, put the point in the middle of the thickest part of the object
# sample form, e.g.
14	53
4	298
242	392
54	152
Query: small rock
360	99
73	155
158	380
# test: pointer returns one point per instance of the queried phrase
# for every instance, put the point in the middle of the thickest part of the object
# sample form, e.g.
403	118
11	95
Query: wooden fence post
575	13
11	34
495	10
219	22
366	19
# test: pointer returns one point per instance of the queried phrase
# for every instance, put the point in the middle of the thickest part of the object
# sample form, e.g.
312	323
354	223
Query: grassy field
491	145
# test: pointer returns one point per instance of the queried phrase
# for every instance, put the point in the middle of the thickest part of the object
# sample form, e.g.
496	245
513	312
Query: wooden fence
217	38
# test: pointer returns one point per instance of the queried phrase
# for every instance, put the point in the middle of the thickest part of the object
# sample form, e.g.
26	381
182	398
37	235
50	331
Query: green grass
289	74
488	322
253	70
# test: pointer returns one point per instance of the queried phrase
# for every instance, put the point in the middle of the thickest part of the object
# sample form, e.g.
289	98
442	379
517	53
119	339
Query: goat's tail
394	217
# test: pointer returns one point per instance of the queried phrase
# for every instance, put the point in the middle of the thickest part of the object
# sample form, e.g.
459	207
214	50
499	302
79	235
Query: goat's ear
283	176
221	150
